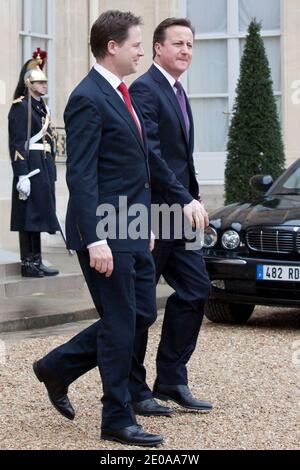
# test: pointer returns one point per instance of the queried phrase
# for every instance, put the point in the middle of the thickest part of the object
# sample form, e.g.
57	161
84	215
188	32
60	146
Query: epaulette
18	100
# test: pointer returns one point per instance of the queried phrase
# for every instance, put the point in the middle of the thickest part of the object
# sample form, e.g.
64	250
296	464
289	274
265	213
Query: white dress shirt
166	74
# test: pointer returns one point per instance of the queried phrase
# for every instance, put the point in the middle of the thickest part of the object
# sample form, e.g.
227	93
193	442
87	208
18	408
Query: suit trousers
126	303
185	272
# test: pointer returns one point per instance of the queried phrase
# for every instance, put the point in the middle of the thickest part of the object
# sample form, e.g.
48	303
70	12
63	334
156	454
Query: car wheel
222	312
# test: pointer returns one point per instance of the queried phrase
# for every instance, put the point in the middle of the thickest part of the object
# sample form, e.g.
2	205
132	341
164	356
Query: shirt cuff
100	243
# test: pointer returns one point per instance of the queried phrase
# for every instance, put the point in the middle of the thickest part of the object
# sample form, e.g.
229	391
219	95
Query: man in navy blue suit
107	158
170	133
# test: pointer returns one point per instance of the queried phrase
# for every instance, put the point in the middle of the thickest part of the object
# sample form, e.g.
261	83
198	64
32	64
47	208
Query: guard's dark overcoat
37	214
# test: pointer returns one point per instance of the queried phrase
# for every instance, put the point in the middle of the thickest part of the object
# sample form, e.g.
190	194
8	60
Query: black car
252	250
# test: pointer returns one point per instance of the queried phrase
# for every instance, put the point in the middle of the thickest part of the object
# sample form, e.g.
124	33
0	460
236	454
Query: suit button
147	186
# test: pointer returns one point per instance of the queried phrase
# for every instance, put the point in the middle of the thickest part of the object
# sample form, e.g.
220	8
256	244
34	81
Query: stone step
10	269
44	310
16	286
9	264
14	269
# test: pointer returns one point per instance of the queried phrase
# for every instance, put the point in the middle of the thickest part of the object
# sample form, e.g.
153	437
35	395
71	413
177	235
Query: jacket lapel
140	116
117	103
169	92
190	114
145	145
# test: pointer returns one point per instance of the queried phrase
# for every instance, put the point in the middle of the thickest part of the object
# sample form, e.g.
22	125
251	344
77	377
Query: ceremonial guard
32	152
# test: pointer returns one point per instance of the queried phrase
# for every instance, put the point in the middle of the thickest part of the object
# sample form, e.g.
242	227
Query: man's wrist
99	243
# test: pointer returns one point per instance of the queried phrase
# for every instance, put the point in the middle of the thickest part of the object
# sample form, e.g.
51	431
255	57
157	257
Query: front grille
272	241
298	242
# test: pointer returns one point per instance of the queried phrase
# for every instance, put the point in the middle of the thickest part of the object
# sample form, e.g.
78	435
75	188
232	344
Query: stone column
11	26
94	12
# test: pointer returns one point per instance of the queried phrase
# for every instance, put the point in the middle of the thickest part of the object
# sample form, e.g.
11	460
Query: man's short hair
113	25
160	32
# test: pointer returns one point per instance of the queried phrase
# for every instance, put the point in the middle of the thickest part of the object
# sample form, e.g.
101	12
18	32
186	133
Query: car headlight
210	237
231	240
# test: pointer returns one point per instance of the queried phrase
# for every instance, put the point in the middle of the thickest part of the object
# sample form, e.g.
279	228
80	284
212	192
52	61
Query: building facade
62	28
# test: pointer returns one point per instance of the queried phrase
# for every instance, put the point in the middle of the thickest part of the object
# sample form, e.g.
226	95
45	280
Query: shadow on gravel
276	318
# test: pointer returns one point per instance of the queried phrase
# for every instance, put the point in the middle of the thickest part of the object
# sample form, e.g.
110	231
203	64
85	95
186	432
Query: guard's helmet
35	68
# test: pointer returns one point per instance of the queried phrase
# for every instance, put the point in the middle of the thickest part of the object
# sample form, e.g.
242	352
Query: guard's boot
29	268
46	271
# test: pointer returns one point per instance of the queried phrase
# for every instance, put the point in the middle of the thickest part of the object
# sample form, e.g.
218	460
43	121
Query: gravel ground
250	374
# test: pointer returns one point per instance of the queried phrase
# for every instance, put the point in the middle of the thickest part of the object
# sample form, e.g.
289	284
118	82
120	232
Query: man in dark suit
170	133
107	158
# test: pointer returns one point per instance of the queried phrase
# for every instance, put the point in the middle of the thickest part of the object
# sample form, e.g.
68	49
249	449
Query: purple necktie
182	103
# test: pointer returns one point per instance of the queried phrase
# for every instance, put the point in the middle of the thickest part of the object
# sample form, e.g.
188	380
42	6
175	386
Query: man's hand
152	241
205	215
196	215
101	259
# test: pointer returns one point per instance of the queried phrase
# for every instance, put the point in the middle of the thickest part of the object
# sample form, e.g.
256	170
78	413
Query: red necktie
124	90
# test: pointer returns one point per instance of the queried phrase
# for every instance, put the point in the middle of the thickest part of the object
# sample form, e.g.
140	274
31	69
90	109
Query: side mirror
261	183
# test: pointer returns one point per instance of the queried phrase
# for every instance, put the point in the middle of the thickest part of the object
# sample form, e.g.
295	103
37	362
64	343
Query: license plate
277	273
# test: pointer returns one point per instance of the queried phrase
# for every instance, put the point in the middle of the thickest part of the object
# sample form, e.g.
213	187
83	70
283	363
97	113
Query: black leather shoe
150	407
45	270
56	391
29	269
181	395
132	436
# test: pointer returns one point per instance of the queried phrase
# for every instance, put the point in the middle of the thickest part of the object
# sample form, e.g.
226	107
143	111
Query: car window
291	185
293	181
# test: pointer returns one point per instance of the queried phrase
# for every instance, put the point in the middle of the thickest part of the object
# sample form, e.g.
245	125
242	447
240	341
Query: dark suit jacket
106	159
170	148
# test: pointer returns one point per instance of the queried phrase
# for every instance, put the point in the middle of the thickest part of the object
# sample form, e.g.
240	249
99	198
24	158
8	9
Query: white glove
24	186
